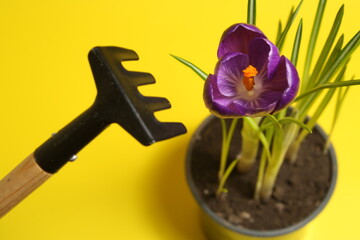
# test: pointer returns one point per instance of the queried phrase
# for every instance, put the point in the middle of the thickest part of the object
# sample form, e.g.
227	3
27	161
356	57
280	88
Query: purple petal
229	72
264	56
236	106
214	100
253	108
285	75
237	38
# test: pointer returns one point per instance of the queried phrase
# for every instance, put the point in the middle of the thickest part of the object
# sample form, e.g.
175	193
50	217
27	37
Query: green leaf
275	122
232	129
338	61
251	14
286	120
197	70
224	149
335	53
277	145
343	94
341	59
262	165
312	43
226	175
297	42
225	190
306	102
224	129
326	49
291	18
323	104
340	99
329	85
325	101
278	34
230	168
227	136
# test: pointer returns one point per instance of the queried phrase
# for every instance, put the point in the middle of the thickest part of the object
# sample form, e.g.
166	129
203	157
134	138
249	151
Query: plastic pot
216	228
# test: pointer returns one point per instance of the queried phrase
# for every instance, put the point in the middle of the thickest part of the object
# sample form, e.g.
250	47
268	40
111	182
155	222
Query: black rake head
119	100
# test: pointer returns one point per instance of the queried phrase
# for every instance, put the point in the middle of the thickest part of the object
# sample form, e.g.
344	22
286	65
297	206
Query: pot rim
260	233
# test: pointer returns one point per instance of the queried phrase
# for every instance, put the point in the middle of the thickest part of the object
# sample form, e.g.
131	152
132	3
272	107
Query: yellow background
118	189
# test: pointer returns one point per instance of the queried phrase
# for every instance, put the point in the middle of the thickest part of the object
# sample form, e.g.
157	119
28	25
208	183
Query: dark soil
300	187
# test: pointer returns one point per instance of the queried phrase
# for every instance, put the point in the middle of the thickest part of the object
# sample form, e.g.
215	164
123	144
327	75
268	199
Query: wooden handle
19	183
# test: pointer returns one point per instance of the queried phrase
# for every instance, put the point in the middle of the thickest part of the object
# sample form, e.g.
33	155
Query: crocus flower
251	78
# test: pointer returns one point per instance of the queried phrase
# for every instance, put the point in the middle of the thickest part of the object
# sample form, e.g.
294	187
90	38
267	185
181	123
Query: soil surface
300	187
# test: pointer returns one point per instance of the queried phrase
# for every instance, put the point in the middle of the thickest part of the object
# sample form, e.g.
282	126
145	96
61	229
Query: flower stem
271	172
281	143
249	146
268	184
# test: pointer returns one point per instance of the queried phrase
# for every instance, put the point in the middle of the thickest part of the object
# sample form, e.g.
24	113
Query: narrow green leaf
274	121
251	14
278	34
340	99
335	53
230	168
339	102
291	18
339	60
306	102
282	34
265	124
232	129
226	175
224	129
197	70
344	94
323	104
342	58
227	136
297	42
326	49
312	43
286	120
329	85
225	190
262	165
224	153
278	136
325	101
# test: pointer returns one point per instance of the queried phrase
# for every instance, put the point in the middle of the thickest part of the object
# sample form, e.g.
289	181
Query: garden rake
118	101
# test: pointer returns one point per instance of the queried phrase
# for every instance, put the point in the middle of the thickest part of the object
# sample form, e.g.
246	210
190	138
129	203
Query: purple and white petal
252	108
286	73
264	56
229	73
217	103
237	38
238	89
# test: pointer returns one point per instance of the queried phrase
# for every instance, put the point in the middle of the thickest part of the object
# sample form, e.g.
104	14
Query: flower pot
202	187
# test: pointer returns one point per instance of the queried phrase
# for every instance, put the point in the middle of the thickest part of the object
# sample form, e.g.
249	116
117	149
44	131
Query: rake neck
61	147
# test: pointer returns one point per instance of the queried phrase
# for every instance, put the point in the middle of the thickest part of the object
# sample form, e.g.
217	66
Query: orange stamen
249	73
